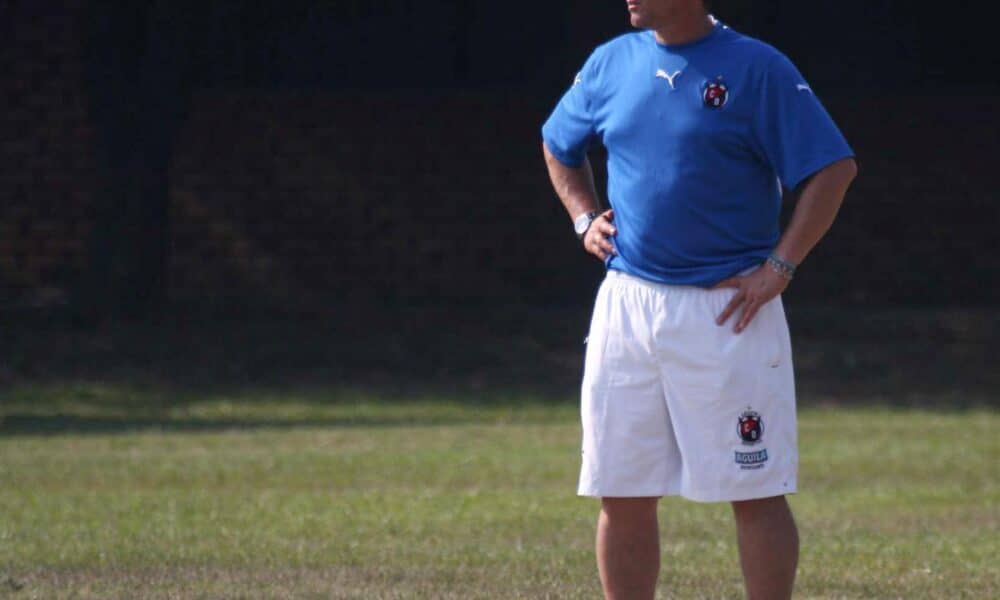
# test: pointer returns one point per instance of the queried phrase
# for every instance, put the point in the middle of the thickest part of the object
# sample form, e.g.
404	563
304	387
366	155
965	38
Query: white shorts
674	404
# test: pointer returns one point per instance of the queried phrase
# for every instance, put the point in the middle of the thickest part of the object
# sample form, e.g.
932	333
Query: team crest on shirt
750	427
715	93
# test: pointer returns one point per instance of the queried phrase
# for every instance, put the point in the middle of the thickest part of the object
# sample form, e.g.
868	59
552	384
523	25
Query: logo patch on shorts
750	427
751	460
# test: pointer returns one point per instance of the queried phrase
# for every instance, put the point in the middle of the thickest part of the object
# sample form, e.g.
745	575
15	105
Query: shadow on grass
27	424
125	375
395	351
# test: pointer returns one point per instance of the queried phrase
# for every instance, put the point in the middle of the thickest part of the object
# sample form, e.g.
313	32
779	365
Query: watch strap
583	222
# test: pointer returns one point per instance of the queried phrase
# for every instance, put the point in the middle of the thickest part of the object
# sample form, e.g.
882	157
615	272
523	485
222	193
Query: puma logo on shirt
670	78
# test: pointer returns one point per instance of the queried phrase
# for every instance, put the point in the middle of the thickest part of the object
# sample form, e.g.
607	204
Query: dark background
375	168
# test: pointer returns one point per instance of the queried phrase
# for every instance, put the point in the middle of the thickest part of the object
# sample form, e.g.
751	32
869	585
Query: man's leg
769	547
628	548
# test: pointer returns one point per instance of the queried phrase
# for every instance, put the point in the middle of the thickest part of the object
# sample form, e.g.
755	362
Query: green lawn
282	496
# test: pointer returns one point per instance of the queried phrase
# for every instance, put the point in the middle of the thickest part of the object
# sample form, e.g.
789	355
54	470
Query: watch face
582	223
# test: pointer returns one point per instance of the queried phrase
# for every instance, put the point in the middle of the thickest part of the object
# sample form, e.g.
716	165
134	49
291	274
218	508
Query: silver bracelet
781	267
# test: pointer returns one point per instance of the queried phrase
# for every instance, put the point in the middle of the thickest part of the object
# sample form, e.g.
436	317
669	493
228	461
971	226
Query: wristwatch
582	223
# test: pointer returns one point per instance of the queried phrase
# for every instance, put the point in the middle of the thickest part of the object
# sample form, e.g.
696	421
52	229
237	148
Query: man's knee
774	510
629	509
760	507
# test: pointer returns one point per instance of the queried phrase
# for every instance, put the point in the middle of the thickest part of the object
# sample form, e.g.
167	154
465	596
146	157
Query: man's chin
637	21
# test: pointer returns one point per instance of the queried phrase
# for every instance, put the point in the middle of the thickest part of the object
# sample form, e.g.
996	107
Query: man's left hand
752	291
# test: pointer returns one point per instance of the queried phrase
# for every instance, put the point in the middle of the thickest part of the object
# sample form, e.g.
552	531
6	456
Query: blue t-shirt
700	138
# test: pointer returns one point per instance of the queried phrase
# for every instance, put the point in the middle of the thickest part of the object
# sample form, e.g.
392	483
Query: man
688	385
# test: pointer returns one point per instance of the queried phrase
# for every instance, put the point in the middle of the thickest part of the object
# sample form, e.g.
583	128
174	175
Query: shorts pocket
777	334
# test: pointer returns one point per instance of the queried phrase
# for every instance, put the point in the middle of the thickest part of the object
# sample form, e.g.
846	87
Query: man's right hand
597	239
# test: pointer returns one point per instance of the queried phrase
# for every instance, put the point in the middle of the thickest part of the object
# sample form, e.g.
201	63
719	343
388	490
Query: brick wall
47	158
919	224
418	197
444	196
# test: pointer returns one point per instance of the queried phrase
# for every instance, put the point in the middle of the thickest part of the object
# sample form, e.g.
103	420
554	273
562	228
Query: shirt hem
751	260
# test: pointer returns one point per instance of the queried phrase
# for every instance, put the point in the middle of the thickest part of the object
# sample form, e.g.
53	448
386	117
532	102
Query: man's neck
684	27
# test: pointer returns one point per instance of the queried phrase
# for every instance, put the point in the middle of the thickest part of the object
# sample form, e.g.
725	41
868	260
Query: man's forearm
575	187
815	210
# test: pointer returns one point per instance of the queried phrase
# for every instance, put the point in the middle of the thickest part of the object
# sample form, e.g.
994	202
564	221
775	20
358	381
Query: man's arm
815	210
814	213
576	190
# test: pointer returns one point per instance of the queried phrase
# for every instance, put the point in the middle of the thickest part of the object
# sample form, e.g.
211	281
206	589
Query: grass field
297	496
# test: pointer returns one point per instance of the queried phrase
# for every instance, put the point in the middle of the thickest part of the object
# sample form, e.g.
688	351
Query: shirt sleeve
570	128
796	134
